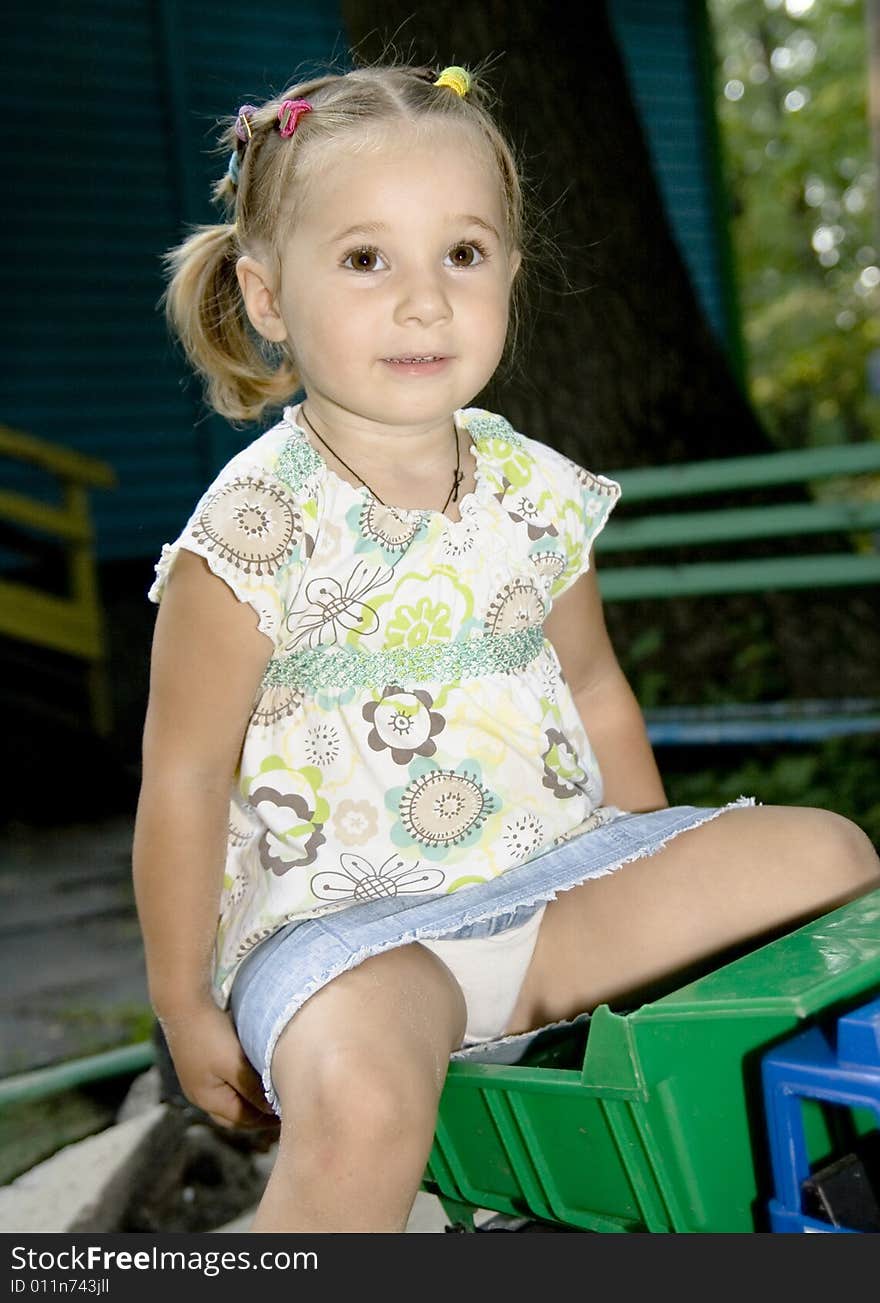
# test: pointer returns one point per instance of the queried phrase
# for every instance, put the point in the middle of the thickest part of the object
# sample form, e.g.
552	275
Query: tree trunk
622	369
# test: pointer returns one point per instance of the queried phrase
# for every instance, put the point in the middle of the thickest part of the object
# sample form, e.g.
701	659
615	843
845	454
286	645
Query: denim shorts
296	961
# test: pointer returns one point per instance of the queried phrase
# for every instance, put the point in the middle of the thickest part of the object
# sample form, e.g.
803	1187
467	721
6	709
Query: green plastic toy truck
650	1120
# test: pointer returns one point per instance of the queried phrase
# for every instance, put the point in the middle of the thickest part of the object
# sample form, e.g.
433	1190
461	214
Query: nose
422	299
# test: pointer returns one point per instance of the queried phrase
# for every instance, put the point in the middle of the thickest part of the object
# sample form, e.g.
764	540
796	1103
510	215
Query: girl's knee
841	851
393	1091
363	1096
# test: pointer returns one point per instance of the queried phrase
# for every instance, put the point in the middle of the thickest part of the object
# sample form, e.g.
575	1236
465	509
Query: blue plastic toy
837	1066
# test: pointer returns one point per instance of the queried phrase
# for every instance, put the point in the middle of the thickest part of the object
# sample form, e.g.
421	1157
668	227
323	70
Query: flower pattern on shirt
287	802
441	808
548	564
460	542
276	704
239	834
414	626
403	723
385	528
524	835
279	856
252	522
355	822
234	887
523	511
564	773
322	744
518	605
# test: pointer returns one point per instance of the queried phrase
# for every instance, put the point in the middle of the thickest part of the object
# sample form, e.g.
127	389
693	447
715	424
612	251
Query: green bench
639	537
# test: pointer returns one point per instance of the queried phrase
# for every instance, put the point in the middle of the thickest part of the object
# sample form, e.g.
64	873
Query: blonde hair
243	374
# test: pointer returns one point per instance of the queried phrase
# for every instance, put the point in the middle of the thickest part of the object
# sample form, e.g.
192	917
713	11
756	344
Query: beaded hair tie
289	115
244	133
457	79
243	122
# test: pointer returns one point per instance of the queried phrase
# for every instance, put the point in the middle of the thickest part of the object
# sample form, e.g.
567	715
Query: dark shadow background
624	359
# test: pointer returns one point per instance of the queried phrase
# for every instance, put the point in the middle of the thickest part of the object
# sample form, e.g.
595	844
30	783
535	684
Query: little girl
397	794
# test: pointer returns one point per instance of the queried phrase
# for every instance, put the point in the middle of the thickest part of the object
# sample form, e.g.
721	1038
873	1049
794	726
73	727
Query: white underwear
490	972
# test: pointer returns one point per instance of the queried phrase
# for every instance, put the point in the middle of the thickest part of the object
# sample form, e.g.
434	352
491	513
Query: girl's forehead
400	160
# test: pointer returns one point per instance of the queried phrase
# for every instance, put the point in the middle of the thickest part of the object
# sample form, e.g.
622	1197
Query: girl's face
395	281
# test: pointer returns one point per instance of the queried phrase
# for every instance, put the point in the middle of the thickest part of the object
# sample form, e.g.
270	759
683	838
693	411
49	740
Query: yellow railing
72	623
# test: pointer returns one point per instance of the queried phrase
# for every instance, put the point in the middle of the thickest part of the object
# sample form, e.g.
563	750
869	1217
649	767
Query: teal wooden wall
667	51
104	163
105	160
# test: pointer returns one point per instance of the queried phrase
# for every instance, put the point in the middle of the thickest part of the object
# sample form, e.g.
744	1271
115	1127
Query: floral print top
413	731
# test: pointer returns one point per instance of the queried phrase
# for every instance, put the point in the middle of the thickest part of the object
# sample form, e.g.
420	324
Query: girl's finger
230	1108
249	1085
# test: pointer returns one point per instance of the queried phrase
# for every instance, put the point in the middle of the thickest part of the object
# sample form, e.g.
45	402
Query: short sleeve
585	502
250	529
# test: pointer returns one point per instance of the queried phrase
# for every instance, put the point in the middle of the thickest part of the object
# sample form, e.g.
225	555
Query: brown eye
363	260
465	255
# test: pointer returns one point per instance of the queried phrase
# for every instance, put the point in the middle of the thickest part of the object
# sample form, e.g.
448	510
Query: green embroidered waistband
317	668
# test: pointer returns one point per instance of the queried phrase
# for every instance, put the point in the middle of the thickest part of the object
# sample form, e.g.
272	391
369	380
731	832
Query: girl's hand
213	1070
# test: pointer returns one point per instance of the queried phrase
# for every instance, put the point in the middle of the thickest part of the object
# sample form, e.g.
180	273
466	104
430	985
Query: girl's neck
409	467
383	448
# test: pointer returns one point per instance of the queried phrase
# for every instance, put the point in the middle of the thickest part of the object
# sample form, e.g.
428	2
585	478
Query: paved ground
72	978
427	1217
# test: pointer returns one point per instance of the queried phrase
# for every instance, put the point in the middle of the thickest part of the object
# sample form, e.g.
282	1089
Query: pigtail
205	309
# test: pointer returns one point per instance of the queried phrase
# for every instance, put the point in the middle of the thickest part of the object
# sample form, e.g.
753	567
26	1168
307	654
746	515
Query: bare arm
604	699
207	661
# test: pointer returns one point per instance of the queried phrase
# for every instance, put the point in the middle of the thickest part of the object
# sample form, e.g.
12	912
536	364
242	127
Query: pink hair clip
289	115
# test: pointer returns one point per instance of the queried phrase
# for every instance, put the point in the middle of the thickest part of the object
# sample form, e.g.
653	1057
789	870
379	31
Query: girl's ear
515	263
260	303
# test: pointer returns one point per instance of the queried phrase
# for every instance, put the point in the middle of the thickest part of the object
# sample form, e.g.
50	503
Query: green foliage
842	774
33	1130
792	107
100	1028
747	660
754	672
640	663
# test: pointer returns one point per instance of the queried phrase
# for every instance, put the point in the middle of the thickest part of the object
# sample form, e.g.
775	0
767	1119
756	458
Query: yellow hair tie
457	79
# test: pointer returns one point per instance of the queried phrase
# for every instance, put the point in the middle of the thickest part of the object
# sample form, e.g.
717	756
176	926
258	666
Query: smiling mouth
421	357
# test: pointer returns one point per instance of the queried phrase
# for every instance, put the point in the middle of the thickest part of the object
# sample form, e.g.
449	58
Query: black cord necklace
456	478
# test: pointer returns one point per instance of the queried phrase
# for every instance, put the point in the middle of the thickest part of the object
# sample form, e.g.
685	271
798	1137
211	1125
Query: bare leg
359	1071
734	883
